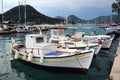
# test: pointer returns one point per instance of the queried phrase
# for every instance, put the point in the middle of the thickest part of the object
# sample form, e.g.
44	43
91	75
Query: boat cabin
37	43
78	35
57	32
34	40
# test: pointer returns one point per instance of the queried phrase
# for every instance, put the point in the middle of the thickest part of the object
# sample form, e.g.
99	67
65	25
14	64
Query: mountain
32	15
98	20
71	19
60	17
74	19
103	19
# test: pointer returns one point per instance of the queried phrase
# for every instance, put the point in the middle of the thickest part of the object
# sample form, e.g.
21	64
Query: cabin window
68	43
55	41
39	39
54	32
61	33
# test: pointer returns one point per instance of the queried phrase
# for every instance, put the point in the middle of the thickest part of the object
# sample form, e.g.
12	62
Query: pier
115	71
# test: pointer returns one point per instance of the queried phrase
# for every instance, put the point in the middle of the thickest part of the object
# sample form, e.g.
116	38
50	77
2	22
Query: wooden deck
115	72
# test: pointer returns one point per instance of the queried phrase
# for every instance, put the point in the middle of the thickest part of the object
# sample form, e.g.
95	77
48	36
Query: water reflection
25	71
16	70
31	73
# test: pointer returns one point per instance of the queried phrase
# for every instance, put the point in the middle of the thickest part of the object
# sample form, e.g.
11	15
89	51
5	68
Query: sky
84	9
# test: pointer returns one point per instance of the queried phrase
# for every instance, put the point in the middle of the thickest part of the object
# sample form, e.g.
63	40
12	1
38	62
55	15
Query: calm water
15	70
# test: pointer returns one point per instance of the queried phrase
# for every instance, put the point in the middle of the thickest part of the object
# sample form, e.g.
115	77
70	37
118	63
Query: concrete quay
115	71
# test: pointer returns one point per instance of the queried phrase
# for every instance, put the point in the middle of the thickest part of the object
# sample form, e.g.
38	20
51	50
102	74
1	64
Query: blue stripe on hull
65	56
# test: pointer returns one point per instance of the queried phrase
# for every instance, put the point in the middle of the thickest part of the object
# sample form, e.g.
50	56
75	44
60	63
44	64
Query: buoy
16	54
30	57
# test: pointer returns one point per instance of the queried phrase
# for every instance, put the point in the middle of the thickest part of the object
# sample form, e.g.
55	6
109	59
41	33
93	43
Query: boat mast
25	12
19	12
2	11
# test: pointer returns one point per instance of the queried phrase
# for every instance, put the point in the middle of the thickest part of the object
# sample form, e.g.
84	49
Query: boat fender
87	48
30	57
77	52
24	56
16	54
11	48
41	57
59	45
99	41
66	47
11	52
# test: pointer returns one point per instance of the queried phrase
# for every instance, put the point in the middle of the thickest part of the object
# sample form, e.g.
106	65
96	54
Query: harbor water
16	70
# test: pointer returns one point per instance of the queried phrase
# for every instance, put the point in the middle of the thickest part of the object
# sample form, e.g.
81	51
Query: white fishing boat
20	29
110	28
37	51
106	39
58	38
3	27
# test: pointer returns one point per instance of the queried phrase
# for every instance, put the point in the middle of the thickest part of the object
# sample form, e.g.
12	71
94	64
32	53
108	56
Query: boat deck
115	71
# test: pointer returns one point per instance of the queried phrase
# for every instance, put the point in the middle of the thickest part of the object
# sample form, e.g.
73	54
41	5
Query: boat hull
54	69
79	61
106	44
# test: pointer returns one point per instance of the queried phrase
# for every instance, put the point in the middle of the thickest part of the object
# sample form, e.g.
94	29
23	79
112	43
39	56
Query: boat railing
38	51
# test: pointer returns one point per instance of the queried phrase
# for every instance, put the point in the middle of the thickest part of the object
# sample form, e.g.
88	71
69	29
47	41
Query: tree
116	6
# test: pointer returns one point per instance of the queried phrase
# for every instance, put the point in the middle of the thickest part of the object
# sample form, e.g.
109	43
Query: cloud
64	4
71	4
52	7
8	4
